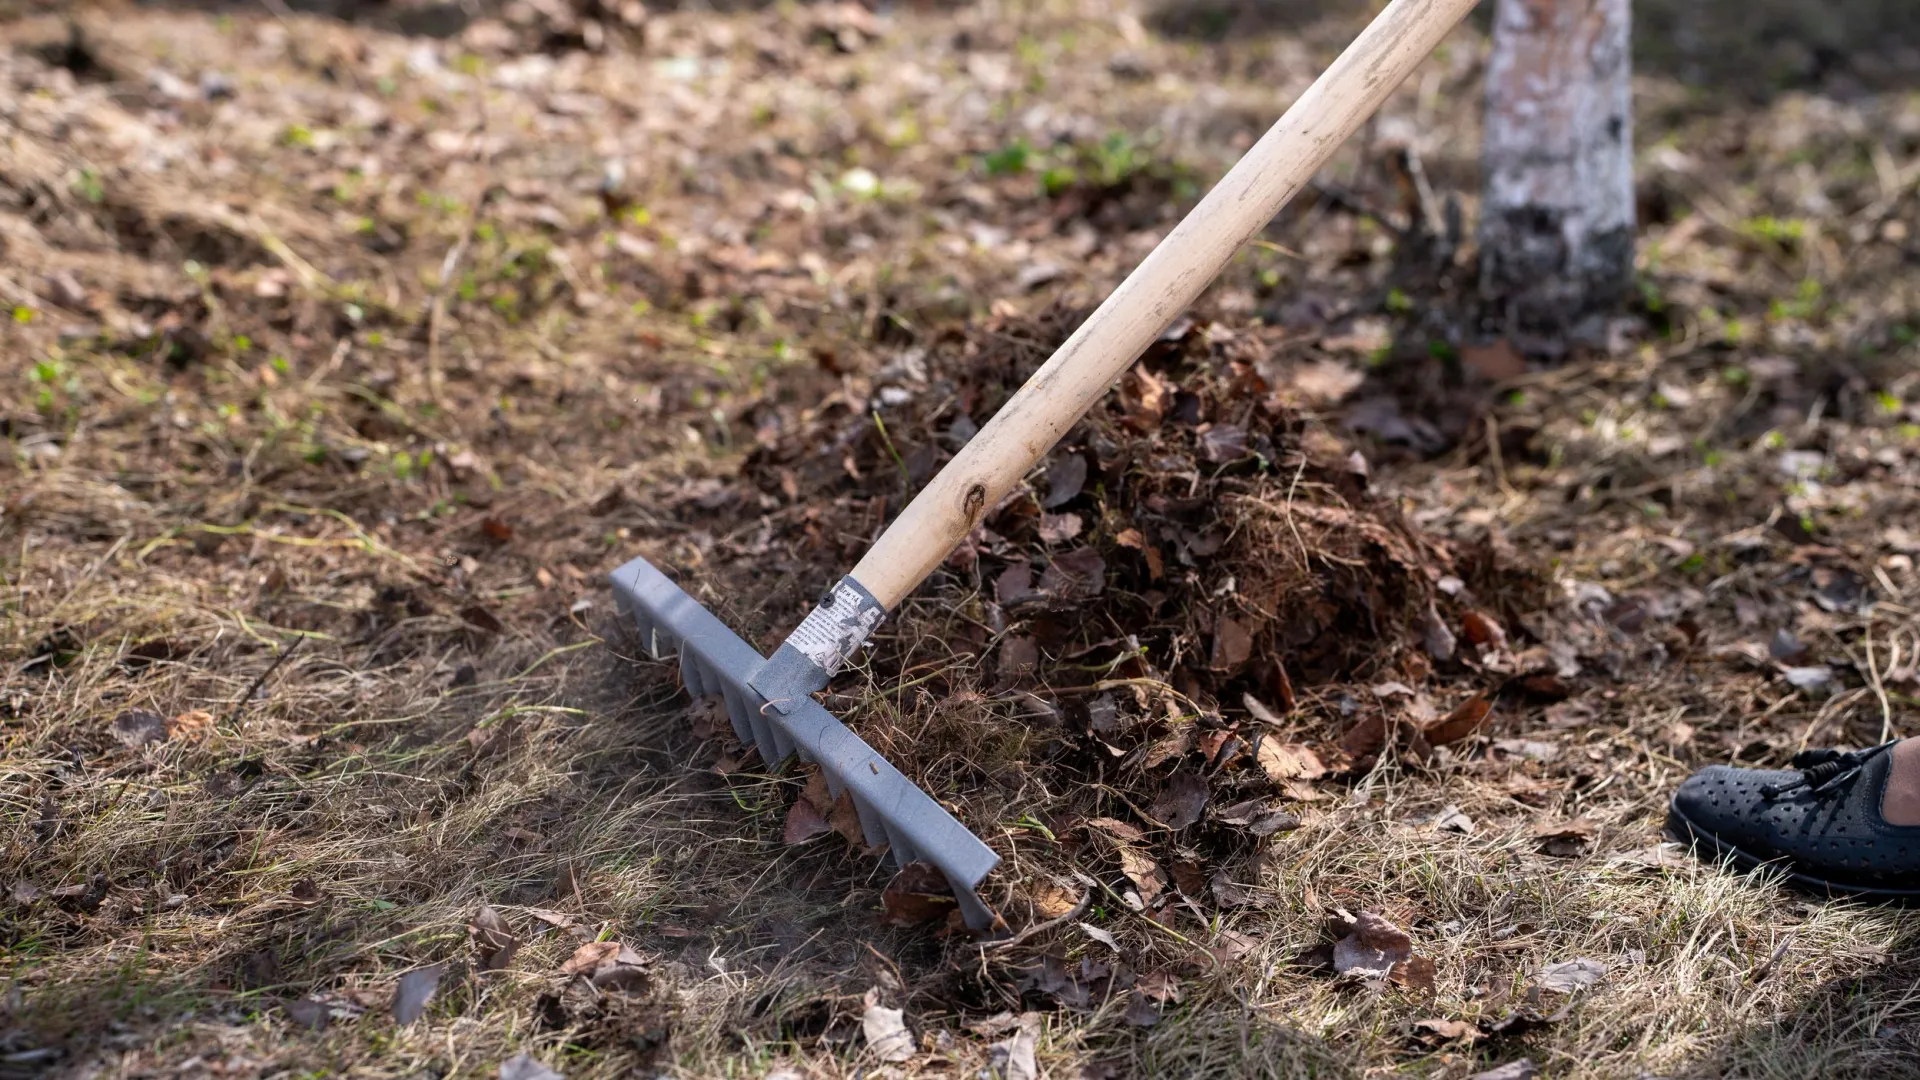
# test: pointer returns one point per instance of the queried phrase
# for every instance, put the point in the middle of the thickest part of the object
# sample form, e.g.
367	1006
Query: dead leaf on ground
1452	819
1564	839
1227	892
1147	405
886	1031
495	529
480	618
1326	382
1365	738
1444	1031
1145	874
1141	1011
312	1015
25	893
1434	635
1289	761
1371	947
1482	630
804	823
136	728
416	988
1013	1058
1051	901
1223	443
587	958
1181	801
1075	575
1162	986
1066	476
1571	975
1496	361
1416	972
305	891
1232	644
493	943
1664	856
1116	828
1059	528
523	1066
1464	720
1100	936
918	894
191	726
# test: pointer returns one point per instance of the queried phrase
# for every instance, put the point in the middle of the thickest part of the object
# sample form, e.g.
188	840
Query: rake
770	700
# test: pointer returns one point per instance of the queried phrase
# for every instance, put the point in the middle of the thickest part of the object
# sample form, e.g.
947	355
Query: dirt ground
1322	693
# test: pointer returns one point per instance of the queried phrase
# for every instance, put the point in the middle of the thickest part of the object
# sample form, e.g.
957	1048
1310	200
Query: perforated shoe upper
1821	820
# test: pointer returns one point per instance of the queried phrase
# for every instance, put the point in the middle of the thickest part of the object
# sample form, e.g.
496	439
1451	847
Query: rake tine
893	813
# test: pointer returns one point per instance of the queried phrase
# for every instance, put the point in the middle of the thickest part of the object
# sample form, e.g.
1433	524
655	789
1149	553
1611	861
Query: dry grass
235	485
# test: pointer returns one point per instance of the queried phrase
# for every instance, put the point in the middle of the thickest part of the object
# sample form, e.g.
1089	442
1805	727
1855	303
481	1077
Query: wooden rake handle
1159	289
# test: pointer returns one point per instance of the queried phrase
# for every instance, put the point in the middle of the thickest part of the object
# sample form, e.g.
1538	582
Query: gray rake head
893	811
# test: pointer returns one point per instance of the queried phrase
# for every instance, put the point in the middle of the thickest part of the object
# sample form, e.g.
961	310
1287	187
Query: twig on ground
240	706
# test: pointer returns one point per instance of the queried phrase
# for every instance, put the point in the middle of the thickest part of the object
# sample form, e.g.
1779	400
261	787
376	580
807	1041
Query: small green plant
1056	180
297	136
1782	231
87	185
22	314
1398	302
1735	376
1010	160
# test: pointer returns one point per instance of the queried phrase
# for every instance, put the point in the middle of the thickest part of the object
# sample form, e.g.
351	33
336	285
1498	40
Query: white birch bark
1556	218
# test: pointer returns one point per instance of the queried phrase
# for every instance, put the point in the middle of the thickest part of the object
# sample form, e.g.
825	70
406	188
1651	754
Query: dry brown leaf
1145	874
1066	476
1051	901
1289	761
191	726
1570	975
1482	630
1232	644
588	958
493	943
1416	972
918	894
1564	839
1371	947
1449	1030
136	728
804	823
1181	801
1464	720
415	989
1059	528
1141	1011
1365	738
1075	575
1116	828
1496	361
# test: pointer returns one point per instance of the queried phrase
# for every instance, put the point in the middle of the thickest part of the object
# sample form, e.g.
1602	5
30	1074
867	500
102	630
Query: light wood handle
1159	289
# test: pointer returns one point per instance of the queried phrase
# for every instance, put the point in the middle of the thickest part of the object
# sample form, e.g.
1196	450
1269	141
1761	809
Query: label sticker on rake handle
832	632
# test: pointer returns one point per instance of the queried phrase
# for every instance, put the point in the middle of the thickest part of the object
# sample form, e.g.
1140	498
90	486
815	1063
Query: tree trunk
1556	218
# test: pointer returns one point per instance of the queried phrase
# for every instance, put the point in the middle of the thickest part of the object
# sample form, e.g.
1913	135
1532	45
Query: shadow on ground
1863	1025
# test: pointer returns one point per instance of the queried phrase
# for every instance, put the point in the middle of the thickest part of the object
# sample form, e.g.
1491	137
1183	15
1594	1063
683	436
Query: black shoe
1818	821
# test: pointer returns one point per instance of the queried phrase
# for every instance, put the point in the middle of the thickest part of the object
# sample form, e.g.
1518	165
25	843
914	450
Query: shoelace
1824	770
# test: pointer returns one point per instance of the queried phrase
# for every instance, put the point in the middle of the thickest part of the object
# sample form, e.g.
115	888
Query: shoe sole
1685	831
